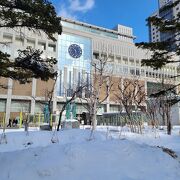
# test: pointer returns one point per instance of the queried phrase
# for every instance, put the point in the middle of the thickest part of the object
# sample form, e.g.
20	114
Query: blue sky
109	13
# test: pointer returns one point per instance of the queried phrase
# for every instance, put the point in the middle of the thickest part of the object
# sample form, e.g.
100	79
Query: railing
120	120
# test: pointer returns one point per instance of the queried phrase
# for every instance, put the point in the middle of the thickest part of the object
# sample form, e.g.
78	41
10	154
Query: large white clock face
75	51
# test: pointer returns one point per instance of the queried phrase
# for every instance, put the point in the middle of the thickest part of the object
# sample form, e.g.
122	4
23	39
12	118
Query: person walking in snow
9	123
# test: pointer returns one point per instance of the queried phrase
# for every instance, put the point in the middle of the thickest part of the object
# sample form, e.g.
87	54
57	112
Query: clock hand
75	52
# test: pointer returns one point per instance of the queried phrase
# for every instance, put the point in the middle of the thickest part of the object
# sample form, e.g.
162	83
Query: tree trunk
50	112
169	126
94	122
59	122
163	118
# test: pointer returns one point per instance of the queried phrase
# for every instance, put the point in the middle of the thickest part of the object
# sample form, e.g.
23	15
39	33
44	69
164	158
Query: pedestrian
14	123
9	123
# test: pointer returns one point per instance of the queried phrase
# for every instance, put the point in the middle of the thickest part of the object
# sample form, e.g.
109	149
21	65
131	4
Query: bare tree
77	90
165	100
49	95
152	111
131	96
48	98
99	87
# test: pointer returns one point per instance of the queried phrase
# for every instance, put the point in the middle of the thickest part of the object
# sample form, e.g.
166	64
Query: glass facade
169	15
70	68
2	105
18	106
39	108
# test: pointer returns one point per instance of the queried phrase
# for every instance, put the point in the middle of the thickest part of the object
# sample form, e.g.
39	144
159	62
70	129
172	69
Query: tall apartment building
169	14
79	44
156	36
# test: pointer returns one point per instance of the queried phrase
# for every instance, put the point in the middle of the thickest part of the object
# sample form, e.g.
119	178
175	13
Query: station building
79	44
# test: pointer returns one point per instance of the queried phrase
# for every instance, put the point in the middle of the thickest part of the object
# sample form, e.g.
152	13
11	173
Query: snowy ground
107	157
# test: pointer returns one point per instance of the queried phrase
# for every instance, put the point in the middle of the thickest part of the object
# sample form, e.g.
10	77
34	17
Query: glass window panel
2	105
42	46
66	60
18	106
31	43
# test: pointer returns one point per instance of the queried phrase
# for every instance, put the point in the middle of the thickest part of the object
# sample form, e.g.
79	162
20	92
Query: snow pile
76	158
19	141
150	136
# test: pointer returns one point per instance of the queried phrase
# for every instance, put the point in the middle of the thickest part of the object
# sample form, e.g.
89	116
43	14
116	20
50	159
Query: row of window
20	41
117	69
123	60
21	105
117	59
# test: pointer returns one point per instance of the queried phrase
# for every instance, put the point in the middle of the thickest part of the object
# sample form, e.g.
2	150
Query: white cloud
73	7
76	5
64	12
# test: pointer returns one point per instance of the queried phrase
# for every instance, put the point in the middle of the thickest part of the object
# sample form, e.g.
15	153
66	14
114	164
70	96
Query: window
137	62
137	72
31	43
42	46
118	69
118	59
52	47
19	105
104	56
111	58
132	71
6	47
7	38
142	72
131	62
96	55
125	70
2	105
125	60
19	41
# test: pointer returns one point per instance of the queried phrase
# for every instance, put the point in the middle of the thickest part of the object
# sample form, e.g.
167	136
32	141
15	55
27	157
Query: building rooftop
115	32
